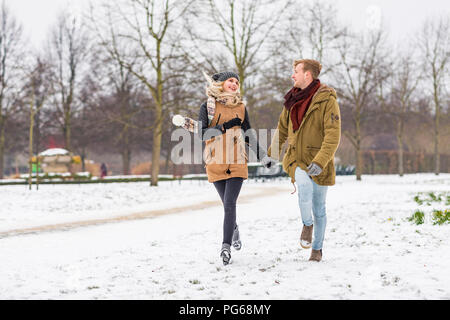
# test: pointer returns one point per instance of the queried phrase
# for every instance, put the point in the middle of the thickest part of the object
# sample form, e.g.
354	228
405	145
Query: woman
221	119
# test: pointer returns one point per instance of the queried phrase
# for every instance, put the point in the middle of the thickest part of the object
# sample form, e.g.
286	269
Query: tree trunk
30	152
156	150
400	159
157	133
2	147
242	79
67	134
37	133
67	137
359	159
359	162
436	127
126	159
83	159
436	144
400	147
126	152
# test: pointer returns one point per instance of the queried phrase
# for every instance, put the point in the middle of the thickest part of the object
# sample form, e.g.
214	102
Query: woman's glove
230	124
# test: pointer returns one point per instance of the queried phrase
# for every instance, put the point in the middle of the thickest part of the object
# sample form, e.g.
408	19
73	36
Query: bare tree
240	30
116	111
37	91
68	48
85	123
11	66
136	34
357	78
404	84
434	43
313	32
123	109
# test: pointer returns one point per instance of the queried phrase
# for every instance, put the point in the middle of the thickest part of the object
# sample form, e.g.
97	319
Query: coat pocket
312	150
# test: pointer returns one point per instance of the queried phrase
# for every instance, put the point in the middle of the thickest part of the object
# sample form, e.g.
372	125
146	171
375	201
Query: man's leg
320	215
305	195
305	191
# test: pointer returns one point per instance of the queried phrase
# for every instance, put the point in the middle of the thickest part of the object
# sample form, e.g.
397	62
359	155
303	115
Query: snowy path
370	250
263	192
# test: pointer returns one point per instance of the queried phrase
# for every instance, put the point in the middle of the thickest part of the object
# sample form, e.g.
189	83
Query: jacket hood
323	93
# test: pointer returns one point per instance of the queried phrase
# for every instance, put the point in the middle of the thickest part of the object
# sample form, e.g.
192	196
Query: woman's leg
232	190
220	187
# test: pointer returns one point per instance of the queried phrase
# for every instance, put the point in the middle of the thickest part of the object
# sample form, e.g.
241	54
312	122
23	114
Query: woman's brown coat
225	155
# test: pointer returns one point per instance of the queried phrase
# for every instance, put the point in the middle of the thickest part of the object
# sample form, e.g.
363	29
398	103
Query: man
311	123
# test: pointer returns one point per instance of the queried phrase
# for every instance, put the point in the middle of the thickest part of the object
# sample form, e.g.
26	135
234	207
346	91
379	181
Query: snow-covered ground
371	251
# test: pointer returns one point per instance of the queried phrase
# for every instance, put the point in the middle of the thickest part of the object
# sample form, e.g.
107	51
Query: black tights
229	191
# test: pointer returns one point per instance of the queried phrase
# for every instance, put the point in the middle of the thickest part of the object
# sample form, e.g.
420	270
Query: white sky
37	16
402	17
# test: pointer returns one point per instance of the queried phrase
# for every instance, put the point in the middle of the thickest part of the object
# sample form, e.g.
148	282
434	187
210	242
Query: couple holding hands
309	121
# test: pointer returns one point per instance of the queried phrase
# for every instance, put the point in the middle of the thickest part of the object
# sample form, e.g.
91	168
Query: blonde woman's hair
215	90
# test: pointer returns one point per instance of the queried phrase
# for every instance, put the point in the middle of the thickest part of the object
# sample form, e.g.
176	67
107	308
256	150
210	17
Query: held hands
230	124
268	162
314	169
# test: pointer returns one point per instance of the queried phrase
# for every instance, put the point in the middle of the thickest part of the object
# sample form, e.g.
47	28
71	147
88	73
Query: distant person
311	123
104	171
225	112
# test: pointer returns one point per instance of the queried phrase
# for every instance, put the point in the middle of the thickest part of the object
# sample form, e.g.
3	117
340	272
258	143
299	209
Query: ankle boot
316	255
236	242
306	237
225	253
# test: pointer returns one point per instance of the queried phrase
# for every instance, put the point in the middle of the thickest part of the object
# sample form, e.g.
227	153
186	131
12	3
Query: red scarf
298	101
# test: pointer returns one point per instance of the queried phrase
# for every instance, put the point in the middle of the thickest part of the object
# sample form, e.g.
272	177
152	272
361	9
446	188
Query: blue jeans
311	198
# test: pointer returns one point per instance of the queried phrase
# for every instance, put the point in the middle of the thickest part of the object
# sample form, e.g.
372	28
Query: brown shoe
306	237
316	255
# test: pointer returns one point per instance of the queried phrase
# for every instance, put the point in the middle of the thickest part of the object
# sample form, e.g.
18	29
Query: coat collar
323	94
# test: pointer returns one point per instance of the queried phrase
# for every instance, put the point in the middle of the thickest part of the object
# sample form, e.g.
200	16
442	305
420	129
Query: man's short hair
310	65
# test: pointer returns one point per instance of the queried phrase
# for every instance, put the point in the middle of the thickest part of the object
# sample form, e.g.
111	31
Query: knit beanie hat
222	76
